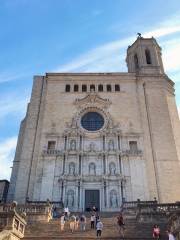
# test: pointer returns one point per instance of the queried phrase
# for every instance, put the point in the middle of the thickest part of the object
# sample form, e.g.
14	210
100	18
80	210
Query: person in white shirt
170	235
93	218
99	227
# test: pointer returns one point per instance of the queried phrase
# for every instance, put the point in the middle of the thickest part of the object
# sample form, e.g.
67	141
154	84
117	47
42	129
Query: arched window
108	88
100	88
148	56
68	88
76	88
117	88
92	88
84	88
136	62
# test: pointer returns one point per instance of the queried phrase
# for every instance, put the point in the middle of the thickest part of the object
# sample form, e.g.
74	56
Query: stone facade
4	185
134	154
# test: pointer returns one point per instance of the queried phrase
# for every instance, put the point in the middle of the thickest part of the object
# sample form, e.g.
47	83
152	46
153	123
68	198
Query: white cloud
161	32
171	55
12	104
110	56
7	77
7	150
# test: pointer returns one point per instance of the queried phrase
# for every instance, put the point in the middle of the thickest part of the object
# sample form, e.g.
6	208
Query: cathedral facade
101	138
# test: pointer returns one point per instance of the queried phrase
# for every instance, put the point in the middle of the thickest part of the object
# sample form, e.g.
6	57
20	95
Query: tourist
156	232
72	223
77	222
99	228
121	224
97	217
170	235
67	213
94	209
62	222
92	221
82	223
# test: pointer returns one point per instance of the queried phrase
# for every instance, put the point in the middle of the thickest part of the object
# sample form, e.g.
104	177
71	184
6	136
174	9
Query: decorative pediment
92	100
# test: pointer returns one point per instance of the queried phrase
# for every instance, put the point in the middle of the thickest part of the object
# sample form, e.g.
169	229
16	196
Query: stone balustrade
52	152
34	211
156	212
56	152
12	225
130	152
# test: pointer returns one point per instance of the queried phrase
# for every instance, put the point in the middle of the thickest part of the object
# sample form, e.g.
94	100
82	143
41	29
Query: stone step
87	238
51	230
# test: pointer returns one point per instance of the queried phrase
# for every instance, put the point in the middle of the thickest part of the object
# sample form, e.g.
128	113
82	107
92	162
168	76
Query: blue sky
39	36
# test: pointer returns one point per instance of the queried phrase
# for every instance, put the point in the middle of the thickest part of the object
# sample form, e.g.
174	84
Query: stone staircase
134	230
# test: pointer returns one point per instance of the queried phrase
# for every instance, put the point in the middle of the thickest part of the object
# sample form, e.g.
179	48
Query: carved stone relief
112	168
113	199
70	198
92	169
71	168
111	145
73	145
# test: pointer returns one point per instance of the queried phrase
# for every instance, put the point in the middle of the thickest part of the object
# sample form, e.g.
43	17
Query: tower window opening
92	88
68	88
148	56
76	88
136	62
108	88
133	146
117	88
84	88
100	88
51	145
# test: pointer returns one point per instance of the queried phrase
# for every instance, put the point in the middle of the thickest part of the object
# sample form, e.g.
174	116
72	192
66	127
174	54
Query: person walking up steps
121	225
77	222
93	218
82	223
156	232
62	222
99	228
72	223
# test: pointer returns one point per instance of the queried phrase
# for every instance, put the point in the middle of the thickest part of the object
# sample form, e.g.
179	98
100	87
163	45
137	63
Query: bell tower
144	56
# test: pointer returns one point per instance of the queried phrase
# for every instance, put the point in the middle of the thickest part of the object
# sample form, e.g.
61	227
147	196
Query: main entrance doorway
92	199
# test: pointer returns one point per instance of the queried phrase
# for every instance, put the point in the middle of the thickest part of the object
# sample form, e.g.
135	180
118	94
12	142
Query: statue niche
113	199
92	169
112	168
73	145
111	145
72	168
70	198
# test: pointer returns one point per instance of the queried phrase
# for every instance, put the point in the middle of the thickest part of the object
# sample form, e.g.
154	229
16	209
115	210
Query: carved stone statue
113	199
70	198
92	169
111	145
92	147
112	168
72	168
73	145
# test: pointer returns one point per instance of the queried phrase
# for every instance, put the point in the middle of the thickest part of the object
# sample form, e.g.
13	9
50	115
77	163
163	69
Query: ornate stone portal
93	160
